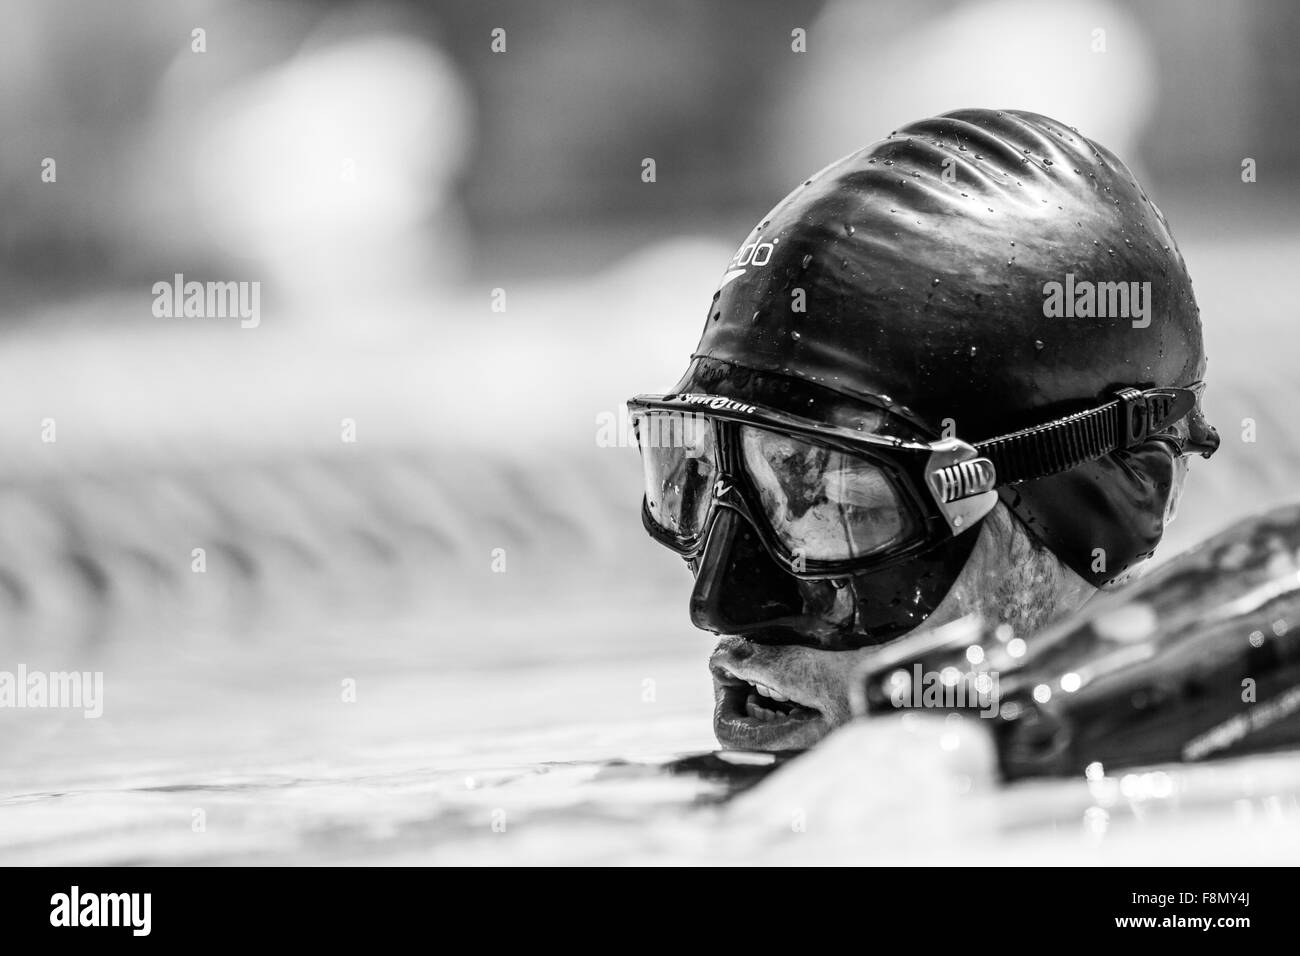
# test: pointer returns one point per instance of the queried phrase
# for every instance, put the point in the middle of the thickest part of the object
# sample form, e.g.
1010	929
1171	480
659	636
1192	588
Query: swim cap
971	275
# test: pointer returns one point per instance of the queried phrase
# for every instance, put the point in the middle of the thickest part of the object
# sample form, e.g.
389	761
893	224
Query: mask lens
823	504
678	456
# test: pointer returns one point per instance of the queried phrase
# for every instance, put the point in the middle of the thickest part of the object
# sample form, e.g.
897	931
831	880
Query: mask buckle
961	482
1143	414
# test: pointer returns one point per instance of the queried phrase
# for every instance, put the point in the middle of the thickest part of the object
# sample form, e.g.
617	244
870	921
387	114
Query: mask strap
1125	422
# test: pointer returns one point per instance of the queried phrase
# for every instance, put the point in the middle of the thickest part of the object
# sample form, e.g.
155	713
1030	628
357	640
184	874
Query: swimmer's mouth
750	715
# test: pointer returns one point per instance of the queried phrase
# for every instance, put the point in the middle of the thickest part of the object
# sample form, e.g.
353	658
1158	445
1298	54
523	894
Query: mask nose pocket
738	587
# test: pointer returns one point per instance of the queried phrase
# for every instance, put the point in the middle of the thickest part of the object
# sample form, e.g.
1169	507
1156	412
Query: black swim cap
912	276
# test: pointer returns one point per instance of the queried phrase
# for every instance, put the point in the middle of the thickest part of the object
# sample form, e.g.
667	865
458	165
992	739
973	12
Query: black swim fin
1198	660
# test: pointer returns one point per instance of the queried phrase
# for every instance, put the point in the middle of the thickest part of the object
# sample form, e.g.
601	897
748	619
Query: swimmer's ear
1139	567
1105	517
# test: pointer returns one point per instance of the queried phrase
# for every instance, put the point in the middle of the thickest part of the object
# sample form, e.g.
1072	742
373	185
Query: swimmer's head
956	371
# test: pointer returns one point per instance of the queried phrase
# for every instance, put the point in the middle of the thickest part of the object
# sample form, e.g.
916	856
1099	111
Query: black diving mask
829	501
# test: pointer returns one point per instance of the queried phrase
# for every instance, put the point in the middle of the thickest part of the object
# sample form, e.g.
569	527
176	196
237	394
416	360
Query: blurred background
412	473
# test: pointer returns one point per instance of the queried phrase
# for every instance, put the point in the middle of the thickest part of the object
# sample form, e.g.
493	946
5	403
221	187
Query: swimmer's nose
739	589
